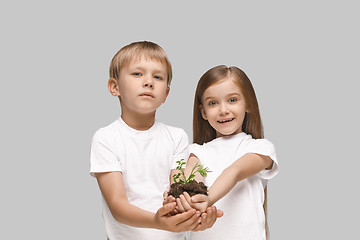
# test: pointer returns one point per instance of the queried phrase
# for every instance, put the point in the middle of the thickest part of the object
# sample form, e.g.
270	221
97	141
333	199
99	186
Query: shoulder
174	132
106	133
263	144
195	147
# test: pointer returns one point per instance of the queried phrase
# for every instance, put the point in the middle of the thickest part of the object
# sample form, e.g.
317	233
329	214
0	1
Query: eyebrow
231	94
139	67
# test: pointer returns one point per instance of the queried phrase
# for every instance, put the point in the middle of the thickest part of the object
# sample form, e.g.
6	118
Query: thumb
198	198
164	210
219	213
165	194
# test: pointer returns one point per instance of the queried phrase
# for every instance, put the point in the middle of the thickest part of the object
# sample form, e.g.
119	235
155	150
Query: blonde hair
135	51
203	132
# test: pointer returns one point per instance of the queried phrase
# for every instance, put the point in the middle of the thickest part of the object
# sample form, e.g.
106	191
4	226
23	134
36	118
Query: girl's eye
212	103
158	77
232	100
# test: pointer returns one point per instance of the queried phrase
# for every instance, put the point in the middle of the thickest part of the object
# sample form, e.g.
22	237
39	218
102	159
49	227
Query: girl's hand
208	218
199	202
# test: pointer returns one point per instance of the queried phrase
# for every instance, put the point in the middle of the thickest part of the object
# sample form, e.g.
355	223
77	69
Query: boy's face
142	86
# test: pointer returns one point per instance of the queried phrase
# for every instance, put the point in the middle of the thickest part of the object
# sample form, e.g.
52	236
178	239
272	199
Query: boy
132	157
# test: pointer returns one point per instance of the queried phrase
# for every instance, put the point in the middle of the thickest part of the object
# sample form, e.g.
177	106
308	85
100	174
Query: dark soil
192	188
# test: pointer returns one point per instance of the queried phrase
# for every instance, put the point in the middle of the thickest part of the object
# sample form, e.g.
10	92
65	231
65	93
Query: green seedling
180	177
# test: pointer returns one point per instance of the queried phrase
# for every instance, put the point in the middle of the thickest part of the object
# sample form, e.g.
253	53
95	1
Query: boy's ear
113	87
203	113
167	93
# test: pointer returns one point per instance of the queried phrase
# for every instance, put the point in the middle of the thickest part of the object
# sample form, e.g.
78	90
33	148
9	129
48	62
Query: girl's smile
224	107
226	120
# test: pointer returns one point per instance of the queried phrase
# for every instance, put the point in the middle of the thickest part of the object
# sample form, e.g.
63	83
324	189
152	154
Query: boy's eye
158	77
232	100
137	74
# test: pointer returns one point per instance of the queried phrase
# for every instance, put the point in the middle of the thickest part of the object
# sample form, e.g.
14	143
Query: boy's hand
186	221
169	199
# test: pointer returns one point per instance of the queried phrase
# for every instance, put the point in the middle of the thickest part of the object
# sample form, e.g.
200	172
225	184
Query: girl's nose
223	109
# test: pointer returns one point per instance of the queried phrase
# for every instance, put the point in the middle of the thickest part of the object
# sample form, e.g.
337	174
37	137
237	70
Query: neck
140	122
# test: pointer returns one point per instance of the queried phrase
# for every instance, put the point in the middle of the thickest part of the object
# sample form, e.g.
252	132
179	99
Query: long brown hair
202	130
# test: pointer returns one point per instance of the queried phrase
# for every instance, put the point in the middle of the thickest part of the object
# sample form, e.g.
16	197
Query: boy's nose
148	82
148	85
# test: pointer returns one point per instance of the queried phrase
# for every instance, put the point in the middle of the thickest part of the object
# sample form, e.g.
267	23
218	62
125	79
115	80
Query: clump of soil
192	188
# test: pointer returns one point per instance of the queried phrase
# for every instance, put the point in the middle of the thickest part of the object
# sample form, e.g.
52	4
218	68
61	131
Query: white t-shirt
145	159
244	216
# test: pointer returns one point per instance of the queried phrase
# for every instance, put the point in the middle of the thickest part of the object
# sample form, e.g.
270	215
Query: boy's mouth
147	94
225	120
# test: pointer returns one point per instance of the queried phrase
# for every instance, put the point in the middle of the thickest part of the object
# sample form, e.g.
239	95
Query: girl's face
224	107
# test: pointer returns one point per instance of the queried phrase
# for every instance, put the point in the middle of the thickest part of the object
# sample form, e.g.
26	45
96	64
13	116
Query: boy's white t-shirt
243	206
145	159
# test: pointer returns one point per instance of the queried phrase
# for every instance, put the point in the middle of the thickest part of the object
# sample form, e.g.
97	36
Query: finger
166	201
185	203
183	217
179	205
211	217
164	210
197	228
195	224
190	223
198	198
169	199
219	213
165	194
203	225
188	199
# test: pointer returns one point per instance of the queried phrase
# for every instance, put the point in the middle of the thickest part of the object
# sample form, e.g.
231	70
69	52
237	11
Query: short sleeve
102	156
266	148
181	150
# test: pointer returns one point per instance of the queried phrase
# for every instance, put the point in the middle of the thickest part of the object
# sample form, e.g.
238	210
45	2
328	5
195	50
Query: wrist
155	223
211	200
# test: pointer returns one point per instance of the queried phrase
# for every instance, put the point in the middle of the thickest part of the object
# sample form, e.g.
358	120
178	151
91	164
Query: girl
227	136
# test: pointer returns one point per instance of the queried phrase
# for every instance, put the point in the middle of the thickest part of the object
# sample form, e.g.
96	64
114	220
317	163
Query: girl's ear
113	87
203	113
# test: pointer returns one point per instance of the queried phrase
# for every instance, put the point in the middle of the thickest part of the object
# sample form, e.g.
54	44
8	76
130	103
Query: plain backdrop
302	58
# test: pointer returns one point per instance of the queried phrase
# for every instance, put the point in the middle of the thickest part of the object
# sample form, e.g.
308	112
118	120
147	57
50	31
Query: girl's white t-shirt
145	159
244	216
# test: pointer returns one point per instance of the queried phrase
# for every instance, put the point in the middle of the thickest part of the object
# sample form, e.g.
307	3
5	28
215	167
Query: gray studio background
303	60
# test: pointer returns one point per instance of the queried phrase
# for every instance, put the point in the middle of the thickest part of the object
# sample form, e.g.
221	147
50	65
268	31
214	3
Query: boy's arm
246	166
113	189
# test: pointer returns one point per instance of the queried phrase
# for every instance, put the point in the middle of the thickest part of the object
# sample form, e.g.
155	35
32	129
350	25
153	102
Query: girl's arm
246	166
209	214
113	189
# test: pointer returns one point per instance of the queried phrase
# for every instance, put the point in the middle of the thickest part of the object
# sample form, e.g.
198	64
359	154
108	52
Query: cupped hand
181	222
208	218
